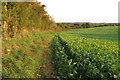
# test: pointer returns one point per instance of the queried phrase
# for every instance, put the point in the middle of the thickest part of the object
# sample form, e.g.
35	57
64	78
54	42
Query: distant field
106	33
86	53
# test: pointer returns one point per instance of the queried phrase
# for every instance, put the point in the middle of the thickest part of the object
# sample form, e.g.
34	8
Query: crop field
34	45
77	54
107	33
86	53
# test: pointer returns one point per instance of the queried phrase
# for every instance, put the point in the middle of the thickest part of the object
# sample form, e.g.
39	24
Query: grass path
46	67
28	57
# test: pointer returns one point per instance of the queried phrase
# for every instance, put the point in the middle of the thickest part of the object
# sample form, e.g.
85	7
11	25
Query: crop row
84	58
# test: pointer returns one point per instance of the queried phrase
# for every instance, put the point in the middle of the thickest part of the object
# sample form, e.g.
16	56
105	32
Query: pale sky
82	10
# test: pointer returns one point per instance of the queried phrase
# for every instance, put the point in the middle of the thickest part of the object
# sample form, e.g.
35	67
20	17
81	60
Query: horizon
86	22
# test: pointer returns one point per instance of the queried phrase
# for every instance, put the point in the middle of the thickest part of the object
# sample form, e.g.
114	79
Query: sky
82	10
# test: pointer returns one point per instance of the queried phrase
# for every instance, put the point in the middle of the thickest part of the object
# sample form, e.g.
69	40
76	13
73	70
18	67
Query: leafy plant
84	58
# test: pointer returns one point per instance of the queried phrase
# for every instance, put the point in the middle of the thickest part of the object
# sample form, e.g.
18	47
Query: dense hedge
20	16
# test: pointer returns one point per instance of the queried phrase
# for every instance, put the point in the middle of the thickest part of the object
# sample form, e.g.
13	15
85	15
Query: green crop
84	58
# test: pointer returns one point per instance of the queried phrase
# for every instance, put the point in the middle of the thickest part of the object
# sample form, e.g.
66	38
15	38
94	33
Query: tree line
65	26
20	16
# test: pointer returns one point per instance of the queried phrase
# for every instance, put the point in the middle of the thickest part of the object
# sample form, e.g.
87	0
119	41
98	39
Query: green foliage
22	56
62	62
84	58
109	33
19	16
66	26
18	65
